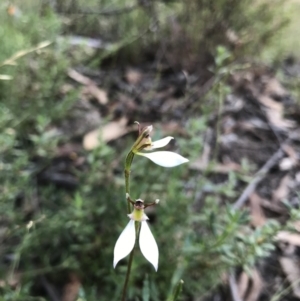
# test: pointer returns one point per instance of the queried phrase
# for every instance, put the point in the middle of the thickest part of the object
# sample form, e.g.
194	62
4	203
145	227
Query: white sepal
125	242
165	159
148	245
160	143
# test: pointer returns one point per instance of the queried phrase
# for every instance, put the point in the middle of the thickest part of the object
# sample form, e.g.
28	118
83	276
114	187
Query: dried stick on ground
258	177
233	288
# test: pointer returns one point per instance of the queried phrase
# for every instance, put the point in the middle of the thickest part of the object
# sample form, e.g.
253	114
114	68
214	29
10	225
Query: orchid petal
148	245
125	242
160	143
165	159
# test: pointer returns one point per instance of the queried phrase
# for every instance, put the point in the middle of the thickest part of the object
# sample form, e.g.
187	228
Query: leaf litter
254	124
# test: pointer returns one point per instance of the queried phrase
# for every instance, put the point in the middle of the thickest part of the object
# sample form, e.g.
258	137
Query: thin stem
128	162
127	275
137	228
127	176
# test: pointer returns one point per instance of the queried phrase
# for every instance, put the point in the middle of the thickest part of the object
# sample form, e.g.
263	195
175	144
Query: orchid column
135	209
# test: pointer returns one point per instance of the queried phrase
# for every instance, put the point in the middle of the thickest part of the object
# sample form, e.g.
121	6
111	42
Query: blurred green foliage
54	232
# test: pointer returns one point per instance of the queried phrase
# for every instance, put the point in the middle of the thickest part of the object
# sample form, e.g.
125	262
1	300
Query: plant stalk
127	275
128	162
137	229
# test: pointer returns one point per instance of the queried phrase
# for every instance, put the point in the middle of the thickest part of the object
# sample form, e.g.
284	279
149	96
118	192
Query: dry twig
234	288
258	177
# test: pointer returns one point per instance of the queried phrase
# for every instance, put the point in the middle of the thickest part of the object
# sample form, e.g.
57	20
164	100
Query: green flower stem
128	162
127	275
137	228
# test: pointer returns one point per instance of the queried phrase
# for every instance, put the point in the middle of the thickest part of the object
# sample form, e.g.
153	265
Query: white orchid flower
162	158
126	240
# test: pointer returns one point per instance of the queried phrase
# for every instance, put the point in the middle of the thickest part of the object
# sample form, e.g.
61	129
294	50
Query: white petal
160	143
165	159
148	245
125	242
